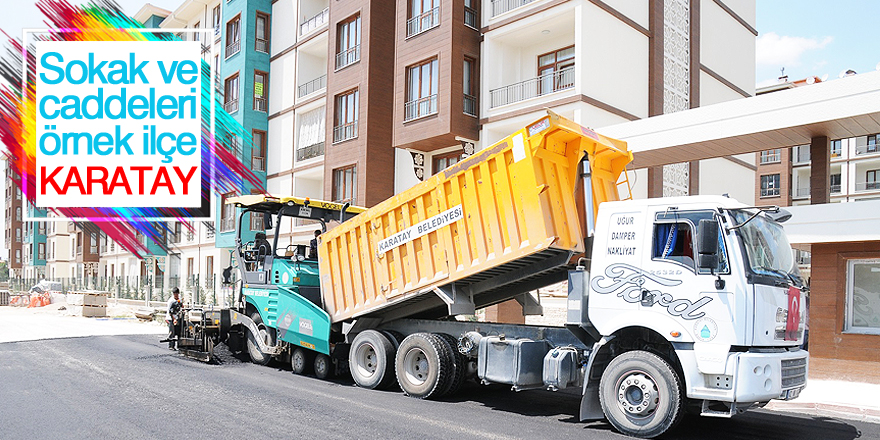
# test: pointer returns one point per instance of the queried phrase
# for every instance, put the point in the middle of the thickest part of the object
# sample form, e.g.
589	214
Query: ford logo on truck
628	282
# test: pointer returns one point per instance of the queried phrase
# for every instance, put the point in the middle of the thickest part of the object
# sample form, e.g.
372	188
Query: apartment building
60	251
14	227
34	244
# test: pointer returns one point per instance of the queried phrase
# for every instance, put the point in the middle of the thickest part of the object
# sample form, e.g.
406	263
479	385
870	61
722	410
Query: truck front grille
794	372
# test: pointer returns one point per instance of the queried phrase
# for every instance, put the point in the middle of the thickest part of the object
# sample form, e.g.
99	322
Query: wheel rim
416	367
320	365
365	360
264	335
298	361
637	394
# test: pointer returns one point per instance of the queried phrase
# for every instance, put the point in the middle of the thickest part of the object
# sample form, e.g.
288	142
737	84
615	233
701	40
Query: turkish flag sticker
794	314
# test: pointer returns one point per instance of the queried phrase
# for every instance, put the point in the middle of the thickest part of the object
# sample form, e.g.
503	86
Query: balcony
867	149
420	108
867	186
501	6
260	104
227	224
421	23
314	22
532	88
799	192
470	105
345	132
800	155
835	189
233	48
770	156
312	86
310	152
258	164
470	18
262	45
348	56
231	106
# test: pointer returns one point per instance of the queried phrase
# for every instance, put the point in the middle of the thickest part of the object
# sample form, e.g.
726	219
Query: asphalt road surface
123	387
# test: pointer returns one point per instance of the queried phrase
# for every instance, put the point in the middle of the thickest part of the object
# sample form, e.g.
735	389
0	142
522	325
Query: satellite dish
811	79
825	77
842	73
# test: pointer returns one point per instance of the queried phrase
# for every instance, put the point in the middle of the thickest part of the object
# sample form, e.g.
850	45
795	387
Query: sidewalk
833	398
23	324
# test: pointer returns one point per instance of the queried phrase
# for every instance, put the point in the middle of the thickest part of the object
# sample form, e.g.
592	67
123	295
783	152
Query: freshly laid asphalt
124	387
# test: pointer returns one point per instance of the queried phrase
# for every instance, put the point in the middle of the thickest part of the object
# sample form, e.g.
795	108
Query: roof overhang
841	108
834	222
148	10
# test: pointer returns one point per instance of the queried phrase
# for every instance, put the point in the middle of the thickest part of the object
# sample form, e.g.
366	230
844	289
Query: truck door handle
647	298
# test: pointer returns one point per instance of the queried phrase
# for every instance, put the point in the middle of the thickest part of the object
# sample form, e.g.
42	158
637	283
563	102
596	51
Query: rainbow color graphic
223	171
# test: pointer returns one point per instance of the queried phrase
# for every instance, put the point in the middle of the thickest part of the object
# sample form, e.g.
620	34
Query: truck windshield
767	247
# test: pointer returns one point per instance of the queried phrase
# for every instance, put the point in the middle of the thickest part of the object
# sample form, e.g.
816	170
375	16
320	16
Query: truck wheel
423	365
456	379
371	360
301	361
640	394
253	348
323	366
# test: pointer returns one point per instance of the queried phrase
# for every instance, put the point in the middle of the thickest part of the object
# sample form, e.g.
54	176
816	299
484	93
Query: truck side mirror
707	232
267	221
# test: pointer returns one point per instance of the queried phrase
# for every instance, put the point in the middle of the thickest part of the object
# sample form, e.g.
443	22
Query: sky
815	38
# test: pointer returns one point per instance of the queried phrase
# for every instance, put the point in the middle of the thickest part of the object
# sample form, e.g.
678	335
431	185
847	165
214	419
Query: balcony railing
767	192
470	18
470	105
258	164
867	186
770	157
233	48
802	192
835	189
314	22
348	56
260	104
423	22
801	155
531	88
867	149
310	152
420	107
262	45
345	132
227	224
231	106
501	6
312	86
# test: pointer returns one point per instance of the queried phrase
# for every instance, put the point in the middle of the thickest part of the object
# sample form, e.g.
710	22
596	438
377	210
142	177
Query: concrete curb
849	412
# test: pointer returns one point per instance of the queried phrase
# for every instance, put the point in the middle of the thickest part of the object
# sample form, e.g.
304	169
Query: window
556	70
469	82
470	13
258	151
217	72
178	231
446	160
262	43
233	36
230	94
227	213
52	250
18	213
836	148
770	185
422	84
345	184
872	179
835	183
771	156
209	269
189	267
261	90
256	219
310	130
215	20
197	36
863	296
41	251
348	42
423	15
873	143
18	255
18	235
675	242
345	117
93	244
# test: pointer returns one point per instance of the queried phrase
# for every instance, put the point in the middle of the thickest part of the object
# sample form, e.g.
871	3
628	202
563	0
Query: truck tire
423	365
371	360
323	366
301	361
253	348
456	379
640	394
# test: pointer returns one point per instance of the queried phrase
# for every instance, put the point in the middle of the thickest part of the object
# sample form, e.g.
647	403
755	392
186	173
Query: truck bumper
764	376
749	377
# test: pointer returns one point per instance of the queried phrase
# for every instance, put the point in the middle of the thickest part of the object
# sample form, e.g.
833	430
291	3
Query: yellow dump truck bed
504	221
